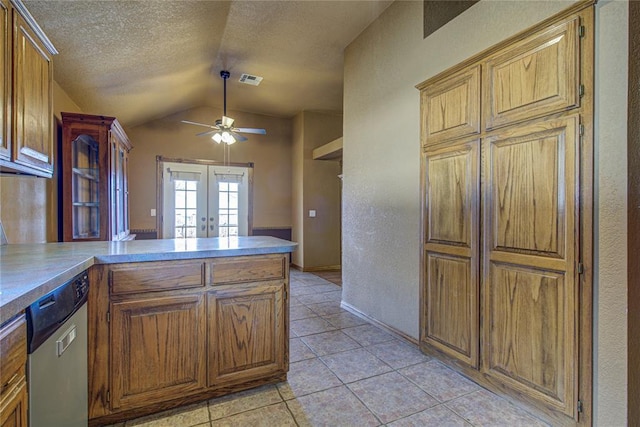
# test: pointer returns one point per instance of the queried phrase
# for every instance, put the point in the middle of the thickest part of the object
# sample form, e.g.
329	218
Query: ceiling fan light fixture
227	138
217	137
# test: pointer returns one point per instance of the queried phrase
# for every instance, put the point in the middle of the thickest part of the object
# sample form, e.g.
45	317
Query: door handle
204	227
211	227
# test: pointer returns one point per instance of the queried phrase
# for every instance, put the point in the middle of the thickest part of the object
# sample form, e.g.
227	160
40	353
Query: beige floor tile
439	381
354	365
298	312
333	407
312	325
326	308
243	401
330	342
345	320
486	409
317	298
185	416
298	350
439	416
305	377
397	354
391	396
368	334
268	416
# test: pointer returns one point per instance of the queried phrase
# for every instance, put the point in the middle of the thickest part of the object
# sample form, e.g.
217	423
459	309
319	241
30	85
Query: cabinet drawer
155	276
247	269
13	352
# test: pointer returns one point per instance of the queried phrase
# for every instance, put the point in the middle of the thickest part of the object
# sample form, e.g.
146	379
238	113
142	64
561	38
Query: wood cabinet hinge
580	407
108	396
580	268
581	31
581	129
581	91
108	316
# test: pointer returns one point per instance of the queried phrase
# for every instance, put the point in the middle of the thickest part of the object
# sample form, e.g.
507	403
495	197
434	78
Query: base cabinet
13	359
158	346
168	333
247	332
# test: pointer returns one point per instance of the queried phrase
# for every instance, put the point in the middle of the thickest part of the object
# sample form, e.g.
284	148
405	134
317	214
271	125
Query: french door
204	200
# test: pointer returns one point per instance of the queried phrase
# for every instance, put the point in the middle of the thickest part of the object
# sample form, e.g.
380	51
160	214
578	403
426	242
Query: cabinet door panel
451	108
529	279
158	347
246	331
537	76
450	300
13	407
32	95
5	69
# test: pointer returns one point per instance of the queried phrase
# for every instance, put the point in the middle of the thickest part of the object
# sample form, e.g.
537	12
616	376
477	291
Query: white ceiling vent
250	80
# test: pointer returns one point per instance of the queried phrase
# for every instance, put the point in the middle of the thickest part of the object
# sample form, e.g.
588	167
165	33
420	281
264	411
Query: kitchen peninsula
170	321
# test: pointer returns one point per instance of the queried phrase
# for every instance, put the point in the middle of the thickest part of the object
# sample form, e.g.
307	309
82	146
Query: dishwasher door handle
65	340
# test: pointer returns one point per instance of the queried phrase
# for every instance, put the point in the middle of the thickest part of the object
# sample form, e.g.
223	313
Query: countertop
29	271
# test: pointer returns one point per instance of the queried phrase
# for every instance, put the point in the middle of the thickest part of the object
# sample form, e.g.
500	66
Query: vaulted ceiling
141	60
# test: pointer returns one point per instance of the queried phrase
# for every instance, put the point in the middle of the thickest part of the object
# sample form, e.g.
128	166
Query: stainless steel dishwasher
57	361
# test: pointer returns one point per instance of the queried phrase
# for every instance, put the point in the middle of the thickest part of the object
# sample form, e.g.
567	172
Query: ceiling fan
223	129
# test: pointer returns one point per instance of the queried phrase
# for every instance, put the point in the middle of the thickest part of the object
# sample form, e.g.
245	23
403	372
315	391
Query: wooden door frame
633	217
160	182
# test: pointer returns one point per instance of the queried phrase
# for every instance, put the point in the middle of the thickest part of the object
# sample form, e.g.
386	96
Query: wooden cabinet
451	107
158	349
507	302
247	332
26	93
94	178
165	333
451	283
13	359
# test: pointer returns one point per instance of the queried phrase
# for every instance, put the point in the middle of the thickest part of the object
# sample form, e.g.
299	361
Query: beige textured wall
321	193
297	194
271	155
316	186
610	234
381	208
28	205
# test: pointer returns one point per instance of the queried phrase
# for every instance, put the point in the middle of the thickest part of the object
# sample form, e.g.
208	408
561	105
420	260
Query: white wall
381	209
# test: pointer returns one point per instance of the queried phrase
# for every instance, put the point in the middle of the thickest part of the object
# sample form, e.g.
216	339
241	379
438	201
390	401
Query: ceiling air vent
250	80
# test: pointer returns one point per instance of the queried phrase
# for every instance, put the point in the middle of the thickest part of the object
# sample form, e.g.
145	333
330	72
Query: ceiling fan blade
227	122
251	130
199	124
210	132
238	137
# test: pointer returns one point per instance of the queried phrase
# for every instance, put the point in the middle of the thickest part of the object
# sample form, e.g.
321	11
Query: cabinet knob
203	219
204	227
211	218
211	227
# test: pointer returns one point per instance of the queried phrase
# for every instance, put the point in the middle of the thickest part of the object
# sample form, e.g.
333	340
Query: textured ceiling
141	60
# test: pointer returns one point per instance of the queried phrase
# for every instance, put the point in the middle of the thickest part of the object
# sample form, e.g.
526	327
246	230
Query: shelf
91	174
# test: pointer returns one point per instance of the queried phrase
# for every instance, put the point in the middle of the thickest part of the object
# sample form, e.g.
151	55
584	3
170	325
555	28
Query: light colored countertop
29	271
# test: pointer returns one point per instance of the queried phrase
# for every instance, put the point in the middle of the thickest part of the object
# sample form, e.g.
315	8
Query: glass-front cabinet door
85	187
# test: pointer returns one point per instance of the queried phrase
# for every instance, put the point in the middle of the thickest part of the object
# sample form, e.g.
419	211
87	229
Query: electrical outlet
153	212
312	213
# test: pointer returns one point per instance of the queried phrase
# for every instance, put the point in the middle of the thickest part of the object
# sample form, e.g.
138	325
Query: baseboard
376	322
323	268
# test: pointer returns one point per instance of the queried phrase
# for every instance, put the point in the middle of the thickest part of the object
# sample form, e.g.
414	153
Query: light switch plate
153	212
312	213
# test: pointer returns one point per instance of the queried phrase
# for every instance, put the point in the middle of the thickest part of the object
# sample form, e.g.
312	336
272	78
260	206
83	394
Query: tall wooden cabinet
13	381
95	194
26	93
506	216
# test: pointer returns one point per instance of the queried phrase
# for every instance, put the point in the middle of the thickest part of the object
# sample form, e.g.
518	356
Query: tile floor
345	371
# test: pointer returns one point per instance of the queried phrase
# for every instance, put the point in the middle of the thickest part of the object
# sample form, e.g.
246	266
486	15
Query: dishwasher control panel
47	314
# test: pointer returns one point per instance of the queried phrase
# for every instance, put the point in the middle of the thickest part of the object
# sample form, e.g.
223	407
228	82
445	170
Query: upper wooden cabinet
451	107
536	76
26	107
94	174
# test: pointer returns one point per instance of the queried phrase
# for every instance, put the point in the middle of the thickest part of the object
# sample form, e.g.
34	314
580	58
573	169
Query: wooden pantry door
530	270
